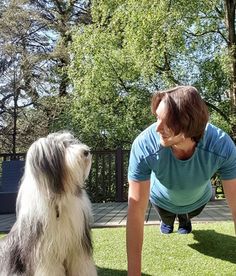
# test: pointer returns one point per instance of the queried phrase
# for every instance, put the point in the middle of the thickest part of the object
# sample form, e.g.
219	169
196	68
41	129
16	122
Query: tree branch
218	111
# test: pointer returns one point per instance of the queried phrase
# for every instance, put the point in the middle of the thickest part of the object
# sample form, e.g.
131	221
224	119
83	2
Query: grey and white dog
51	235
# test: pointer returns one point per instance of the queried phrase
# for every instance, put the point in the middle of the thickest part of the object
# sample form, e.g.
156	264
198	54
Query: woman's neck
184	150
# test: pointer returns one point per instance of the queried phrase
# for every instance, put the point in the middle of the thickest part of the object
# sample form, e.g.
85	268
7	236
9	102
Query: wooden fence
108	176
107	180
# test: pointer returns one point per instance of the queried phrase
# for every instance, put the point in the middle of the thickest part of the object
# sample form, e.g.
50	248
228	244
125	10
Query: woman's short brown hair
187	113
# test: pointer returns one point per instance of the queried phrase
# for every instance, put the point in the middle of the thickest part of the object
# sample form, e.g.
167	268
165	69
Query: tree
230	7
22	51
111	102
153	45
59	17
34	57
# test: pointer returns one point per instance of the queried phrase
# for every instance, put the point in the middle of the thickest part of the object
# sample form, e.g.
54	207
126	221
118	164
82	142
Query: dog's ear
46	158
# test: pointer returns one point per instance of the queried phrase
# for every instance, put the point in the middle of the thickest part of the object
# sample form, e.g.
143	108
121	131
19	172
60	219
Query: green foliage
217	120
121	52
111	103
49	115
133	48
34	57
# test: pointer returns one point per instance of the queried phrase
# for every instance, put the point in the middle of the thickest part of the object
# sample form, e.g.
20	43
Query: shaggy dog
51	235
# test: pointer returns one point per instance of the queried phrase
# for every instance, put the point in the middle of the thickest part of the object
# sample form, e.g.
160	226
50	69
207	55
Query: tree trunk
15	114
230	6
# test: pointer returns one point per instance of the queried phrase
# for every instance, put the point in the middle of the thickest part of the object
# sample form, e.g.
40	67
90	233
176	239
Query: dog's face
51	235
59	163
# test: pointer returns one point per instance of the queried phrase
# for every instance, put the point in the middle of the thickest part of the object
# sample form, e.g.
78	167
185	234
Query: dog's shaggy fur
51	236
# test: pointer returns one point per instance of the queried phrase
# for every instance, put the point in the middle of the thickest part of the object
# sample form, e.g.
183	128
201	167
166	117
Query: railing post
119	175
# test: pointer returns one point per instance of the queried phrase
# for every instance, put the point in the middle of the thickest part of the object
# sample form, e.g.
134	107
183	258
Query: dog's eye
86	153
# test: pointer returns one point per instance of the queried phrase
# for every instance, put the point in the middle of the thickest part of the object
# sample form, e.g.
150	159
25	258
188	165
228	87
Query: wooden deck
114	214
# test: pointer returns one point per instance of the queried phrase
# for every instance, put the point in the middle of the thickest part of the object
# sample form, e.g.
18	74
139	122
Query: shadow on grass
215	244
113	272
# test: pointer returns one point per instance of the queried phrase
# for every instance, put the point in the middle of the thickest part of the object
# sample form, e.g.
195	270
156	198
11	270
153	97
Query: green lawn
209	250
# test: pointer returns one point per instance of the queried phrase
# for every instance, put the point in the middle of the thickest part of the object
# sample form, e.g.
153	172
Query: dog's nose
86	153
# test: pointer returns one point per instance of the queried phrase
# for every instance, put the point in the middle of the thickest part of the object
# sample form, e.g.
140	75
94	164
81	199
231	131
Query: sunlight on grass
209	250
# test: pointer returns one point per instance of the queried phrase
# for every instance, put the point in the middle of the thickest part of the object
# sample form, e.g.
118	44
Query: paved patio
114	215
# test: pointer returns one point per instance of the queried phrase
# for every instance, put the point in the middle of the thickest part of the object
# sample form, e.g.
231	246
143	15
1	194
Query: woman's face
167	135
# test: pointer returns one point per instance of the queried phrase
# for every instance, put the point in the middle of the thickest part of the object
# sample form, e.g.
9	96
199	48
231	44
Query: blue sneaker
166	229
185	228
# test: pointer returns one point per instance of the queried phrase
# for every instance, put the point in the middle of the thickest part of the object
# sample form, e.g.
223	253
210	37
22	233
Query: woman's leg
167	220
185	226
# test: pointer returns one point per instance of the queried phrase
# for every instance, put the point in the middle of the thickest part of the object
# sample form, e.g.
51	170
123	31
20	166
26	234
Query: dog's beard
53	211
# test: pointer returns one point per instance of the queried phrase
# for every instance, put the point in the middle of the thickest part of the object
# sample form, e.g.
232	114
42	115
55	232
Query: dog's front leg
82	266
50	270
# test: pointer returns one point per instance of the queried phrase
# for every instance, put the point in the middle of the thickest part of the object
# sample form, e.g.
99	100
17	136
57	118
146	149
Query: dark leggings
169	218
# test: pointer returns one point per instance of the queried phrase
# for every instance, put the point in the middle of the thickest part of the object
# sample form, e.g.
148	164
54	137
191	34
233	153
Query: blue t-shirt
181	186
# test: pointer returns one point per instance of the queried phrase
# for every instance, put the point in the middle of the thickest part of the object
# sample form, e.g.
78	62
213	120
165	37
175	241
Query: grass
209	250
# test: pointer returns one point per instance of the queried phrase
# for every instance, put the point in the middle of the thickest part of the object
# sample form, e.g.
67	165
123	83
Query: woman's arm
230	194
137	206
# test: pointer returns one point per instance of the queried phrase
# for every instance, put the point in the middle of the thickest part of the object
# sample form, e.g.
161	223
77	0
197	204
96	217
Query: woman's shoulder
148	141
216	140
